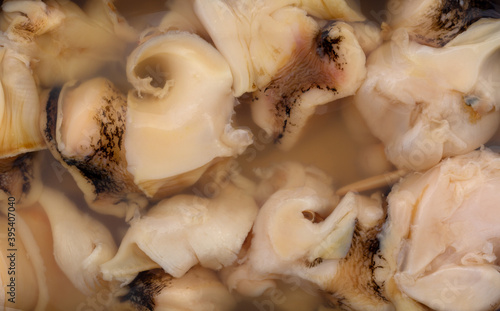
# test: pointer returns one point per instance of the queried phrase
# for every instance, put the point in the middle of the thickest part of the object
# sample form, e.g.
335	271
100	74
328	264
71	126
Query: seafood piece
326	68
257	38
20	105
440	243
81	244
84	126
435	23
417	103
347	10
62	248
291	175
198	289
302	232
64	41
179	115
284	57
181	17
183	231
20	137
20	297
368	35
20	178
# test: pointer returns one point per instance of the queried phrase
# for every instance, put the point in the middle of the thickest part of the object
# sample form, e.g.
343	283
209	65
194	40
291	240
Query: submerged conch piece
417	103
303	231
440	243
65	41
61	248
179	113
20	135
20	105
183	231
198	289
282	55
435	23
84	126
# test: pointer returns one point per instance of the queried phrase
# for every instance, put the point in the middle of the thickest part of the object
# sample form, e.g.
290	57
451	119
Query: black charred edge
283	111
285	106
480	8
371	247
4	185
455	18
25	165
5	178
314	263
102	179
51	113
145	287
326	45
332	300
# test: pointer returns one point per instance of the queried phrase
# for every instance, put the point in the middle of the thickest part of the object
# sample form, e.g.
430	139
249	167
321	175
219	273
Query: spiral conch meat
303	231
179	113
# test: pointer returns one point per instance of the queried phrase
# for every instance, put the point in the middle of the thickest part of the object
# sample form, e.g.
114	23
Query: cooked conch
65	41
179	113
180	16
258	37
440	244
422	106
322	69
84	126
20	179
435	23
27	294
302	232
282	55
183	231
20	105
198	290
20	135
81	244
61	248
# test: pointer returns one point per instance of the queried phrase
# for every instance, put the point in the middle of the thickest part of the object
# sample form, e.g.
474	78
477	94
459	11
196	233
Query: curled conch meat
179	112
183	231
303	231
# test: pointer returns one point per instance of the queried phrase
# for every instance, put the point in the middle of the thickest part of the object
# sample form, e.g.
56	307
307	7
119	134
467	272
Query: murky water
335	140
